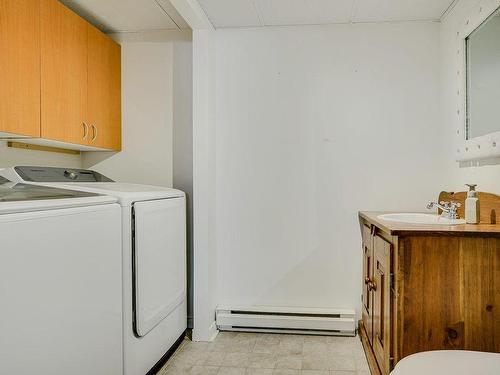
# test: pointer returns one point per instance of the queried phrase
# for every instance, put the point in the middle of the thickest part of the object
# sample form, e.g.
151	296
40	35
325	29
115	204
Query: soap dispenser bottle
472	205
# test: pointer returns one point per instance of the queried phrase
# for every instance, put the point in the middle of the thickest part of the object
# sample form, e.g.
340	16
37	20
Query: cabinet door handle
85	130
94	132
367	280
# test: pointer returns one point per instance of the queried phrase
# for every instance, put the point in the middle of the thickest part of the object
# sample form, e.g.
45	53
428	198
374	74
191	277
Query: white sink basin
414	218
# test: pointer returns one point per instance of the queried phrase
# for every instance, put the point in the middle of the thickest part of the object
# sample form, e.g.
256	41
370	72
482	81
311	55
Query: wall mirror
478	70
482	49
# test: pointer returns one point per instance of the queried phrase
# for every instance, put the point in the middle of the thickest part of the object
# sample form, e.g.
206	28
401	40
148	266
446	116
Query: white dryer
154	259
60	282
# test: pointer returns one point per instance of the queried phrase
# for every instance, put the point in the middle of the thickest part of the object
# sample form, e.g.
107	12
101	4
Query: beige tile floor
235	353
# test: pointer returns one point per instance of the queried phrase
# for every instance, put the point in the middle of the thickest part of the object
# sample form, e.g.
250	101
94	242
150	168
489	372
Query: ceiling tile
123	15
304	12
231	13
399	10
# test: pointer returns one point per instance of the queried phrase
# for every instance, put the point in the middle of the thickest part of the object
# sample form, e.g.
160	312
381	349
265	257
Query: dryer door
159	260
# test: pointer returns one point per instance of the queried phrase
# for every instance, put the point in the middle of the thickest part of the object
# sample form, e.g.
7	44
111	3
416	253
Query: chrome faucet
449	208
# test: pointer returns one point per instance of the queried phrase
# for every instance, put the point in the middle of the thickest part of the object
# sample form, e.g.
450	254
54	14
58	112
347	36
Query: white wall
204	168
147	111
205	254
183	143
13	156
313	124
484	173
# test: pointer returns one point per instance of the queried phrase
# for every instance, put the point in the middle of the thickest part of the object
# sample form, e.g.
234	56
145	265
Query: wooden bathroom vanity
429	287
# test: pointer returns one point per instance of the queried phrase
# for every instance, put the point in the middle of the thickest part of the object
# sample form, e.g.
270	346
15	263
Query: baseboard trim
208	335
213	331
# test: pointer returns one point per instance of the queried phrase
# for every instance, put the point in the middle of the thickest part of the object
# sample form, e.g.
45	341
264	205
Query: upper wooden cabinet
64	74
81	80
104	90
20	67
63	82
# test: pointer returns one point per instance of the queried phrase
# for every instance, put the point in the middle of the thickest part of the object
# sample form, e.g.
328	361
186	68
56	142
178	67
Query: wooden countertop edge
401	229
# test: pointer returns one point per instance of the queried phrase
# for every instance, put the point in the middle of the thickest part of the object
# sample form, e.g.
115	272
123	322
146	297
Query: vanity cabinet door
367	296
381	302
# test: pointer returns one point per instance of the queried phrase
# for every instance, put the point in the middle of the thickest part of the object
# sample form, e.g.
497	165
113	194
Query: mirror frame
486	146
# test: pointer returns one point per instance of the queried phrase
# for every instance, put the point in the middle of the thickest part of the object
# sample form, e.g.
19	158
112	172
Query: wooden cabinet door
382	302
20	67
367	295
104	90
63	74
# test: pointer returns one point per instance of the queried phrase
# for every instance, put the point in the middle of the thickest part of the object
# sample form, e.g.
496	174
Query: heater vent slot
284	314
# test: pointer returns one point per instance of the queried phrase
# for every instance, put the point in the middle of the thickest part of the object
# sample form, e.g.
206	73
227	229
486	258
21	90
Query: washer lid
16	192
18	197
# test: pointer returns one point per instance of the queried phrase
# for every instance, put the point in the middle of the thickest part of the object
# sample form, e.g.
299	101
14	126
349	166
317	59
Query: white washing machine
60	282
154	259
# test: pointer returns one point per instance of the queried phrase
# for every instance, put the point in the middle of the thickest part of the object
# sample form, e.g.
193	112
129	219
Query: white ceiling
128	15
142	15
248	13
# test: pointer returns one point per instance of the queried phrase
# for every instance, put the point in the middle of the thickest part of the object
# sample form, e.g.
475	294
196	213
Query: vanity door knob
372	286
367	280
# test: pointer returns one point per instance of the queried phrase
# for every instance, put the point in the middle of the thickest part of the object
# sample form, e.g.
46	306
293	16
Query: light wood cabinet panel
63	74
432	294
481	293
104	90
20	67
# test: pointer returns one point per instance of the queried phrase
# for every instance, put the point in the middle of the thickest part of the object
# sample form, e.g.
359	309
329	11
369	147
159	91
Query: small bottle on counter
472	205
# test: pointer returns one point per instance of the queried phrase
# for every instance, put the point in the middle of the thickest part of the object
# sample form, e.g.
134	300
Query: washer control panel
51	174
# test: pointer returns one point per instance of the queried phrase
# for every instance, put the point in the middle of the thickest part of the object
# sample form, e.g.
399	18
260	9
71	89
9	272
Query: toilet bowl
453	362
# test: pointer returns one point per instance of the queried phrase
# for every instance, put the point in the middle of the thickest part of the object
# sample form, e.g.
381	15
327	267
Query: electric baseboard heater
312	321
